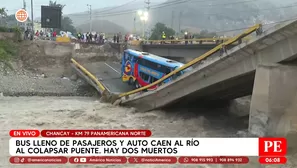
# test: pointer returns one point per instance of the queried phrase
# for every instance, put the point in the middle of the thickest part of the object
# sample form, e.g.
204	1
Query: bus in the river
140	68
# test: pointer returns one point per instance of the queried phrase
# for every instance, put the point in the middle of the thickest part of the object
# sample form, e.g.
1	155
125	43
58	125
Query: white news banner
134	146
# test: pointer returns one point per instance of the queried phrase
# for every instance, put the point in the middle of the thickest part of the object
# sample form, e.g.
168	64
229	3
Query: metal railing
257	28
91	76
191	41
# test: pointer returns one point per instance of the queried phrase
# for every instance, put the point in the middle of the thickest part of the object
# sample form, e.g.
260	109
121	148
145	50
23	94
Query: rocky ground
32	84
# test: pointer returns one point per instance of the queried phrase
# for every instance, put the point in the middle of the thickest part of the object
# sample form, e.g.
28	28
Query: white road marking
112	68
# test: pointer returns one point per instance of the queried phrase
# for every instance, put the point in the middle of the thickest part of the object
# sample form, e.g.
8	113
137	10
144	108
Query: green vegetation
8	50
158	29
202	34
205	34
3	12
66	23
16	30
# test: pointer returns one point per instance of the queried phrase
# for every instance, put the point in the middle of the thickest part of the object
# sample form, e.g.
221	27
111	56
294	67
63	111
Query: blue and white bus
141	68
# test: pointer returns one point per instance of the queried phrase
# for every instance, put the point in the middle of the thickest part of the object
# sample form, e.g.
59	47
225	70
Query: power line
276	8
162	6
151	7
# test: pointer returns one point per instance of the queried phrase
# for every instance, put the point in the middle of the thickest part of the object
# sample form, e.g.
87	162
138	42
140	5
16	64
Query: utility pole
90	11
172	19
24	7
147	2
179	21
134	29
32	18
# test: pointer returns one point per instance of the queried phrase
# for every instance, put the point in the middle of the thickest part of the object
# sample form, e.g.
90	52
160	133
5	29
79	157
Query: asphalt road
109	73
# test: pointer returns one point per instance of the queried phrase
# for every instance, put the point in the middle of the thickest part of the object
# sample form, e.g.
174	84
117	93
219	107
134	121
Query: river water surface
88	113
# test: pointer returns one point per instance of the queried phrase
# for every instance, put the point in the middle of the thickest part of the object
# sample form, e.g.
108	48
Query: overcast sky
72	6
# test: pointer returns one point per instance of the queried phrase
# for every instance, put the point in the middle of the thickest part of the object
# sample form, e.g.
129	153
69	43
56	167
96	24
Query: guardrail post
240	40
259	31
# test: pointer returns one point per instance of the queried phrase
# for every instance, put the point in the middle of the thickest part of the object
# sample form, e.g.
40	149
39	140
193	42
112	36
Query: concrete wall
57	49
7	36
273	109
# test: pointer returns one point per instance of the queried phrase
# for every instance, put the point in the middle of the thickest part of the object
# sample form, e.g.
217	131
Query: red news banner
270	150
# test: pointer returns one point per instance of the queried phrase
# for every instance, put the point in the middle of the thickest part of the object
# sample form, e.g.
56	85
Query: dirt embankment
43	68
98	53
46	57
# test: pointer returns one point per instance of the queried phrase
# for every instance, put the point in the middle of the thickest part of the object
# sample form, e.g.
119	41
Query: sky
72	6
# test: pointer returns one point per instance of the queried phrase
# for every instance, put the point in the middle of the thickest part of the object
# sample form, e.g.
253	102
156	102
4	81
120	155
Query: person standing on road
26	36
91	37
114	38
79	36
54	35
163	37
87	37
95	37
186	38
118	38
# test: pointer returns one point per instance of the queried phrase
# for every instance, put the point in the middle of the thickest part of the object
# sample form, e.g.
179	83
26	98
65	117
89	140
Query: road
109	73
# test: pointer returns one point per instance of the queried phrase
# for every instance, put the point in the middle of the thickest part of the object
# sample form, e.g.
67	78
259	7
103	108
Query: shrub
8	50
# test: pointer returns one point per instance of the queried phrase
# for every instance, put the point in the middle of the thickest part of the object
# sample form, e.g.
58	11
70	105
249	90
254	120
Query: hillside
214	15
122	17
101	26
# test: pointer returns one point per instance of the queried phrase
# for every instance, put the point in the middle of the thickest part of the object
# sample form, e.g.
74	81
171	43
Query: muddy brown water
88	113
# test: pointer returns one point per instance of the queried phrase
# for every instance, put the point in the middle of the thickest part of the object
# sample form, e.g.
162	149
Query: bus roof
154	58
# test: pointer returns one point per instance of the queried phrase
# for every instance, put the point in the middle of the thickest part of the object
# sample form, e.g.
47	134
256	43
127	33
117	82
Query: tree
3	12
55	4
205	34
3	15
158	29
66	23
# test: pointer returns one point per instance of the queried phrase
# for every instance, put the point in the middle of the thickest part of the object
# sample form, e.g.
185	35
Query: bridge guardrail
257	28
181	41
91	76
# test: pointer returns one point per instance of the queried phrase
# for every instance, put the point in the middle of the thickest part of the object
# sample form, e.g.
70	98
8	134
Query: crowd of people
81	37
101	37
28	34
186	37
91	37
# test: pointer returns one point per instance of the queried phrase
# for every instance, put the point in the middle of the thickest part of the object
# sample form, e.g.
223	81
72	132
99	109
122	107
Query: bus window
144	76
126	57
152	79
135	59
167	70
142	62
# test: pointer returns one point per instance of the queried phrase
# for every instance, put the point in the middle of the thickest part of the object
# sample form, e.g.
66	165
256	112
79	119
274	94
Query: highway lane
109	73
